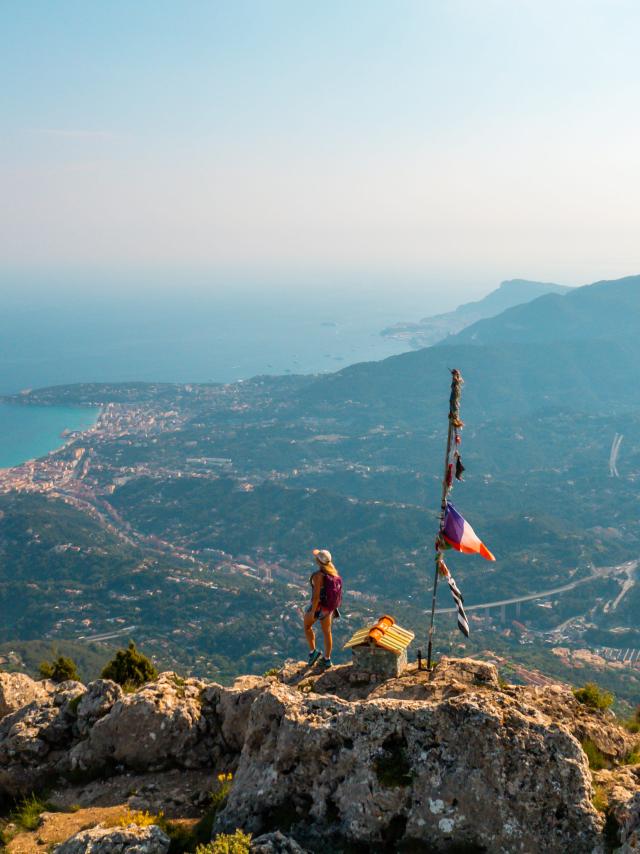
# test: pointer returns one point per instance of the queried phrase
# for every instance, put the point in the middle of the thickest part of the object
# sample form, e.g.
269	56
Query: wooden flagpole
447	483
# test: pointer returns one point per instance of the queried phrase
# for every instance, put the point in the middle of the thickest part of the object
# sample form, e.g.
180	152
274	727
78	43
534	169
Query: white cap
323	555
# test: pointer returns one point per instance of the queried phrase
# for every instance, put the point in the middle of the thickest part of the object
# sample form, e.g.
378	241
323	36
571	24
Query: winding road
599	573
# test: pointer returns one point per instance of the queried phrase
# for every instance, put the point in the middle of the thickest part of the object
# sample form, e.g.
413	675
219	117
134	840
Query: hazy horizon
455	143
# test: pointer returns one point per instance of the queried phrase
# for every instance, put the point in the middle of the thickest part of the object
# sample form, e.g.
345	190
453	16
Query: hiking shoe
313	657
326	663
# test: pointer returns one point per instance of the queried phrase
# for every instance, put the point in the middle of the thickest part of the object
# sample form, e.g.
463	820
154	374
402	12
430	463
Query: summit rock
425	761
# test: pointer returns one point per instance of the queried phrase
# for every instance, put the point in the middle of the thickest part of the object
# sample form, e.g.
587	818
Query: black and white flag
463	623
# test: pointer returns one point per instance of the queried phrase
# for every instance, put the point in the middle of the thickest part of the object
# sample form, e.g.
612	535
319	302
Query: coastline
29	432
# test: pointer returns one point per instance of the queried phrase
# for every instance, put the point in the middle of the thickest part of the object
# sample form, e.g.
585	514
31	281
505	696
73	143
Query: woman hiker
326	596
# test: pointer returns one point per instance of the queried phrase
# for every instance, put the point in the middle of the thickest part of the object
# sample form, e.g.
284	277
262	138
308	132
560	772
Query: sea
28	432
57	337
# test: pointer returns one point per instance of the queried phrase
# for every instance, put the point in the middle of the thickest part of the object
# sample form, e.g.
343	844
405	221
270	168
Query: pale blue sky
454	140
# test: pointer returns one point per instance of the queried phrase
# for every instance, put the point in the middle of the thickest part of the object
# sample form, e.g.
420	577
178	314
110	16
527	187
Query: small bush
633	757
593	696
227	843
27	813
59	670
130	668
600	800
182	835
596	757
73	704
139	818
220	794
633	724
218	797
272	671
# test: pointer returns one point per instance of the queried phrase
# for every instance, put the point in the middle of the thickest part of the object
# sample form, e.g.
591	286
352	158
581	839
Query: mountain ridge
433	329
604	310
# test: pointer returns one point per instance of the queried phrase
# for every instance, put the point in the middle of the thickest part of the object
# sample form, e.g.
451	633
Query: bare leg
326	632
310	635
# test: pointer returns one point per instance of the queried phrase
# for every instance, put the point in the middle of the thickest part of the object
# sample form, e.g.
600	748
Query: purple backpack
331	596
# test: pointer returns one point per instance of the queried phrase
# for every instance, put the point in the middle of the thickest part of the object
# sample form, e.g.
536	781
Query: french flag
459	534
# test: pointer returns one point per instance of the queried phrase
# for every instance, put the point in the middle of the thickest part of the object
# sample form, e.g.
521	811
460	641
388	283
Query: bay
27	432
57	337
191	338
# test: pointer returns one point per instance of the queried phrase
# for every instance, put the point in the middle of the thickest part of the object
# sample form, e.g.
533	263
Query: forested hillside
191	511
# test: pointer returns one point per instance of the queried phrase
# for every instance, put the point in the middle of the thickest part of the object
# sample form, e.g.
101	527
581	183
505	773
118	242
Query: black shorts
320	614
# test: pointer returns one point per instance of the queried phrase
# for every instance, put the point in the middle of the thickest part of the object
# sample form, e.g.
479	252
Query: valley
186	516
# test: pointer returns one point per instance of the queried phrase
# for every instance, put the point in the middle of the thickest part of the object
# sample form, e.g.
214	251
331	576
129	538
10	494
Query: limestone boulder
275	843
96	702
117	840
227	709
159	726
621	790
447	760
476	769
600	727
18	690
35	738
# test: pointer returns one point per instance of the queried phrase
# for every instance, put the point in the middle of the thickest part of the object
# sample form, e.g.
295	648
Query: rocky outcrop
470	770
34	740
95	703
429	760
620	788
157	727
172	722
275	843
79	732
18	689
558	703
117	840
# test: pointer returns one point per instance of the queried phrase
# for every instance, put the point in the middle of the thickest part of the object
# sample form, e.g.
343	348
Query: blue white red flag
459	534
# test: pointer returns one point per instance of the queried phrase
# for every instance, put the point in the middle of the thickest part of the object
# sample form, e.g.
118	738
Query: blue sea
56	336
27	432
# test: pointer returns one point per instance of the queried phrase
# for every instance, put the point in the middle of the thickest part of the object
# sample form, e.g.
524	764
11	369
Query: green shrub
182	837
600	799
27	813
73	704
633	724
141	818
593	696
596	757
227	843
273	671
219	796
633	757
130	668
59	670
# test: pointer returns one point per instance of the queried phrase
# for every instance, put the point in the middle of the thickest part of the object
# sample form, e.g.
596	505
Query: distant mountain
431	330
503	380
590	349
607	310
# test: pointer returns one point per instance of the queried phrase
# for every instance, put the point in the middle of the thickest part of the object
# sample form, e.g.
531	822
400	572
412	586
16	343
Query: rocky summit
332	761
